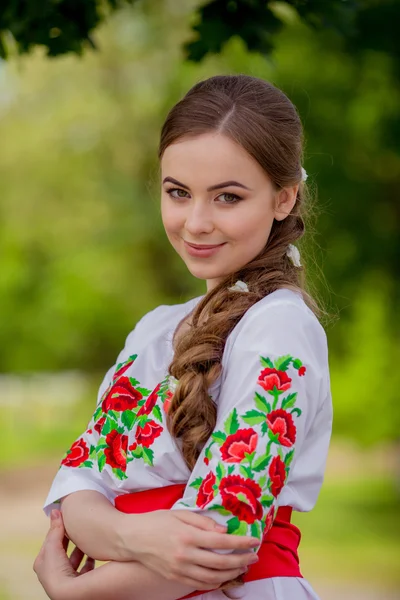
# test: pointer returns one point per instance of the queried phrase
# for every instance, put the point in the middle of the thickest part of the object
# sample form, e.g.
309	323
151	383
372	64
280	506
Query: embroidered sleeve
267	403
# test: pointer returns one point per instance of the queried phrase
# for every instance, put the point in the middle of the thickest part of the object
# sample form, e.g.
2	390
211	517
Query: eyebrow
211	188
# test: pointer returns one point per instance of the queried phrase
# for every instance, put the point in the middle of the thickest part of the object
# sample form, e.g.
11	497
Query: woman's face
217	204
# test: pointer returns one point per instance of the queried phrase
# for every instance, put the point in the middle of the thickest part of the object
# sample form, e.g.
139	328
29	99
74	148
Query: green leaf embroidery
148	456
143	391
97	413
266	362
282	363
267	501
297	363
262	403
233	524
220	471
208	453
137	452
265	428
88	464
255	530
196	483
231	468
92	452
289	457
262	481
101	461
231	424
246	471
120	474
296	411
143	420
218	436
253	417
219	509
114	415
157	413
101	447
261	463
108	425
289	401
133	381
241	530
128	418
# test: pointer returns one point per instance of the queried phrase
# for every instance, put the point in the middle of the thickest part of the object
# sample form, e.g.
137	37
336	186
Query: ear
284	202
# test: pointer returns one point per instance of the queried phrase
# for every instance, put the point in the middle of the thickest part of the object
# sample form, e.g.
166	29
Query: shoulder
281	323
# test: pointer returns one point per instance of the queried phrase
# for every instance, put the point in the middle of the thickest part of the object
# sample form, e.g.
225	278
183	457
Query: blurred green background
83	256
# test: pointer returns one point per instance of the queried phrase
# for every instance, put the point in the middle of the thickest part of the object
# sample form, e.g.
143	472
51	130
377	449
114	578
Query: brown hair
259	117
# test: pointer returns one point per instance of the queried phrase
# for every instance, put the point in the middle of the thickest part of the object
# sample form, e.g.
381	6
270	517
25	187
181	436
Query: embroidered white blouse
270	442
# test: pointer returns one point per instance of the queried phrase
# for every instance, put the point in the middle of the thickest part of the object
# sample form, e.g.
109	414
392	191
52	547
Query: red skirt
277	554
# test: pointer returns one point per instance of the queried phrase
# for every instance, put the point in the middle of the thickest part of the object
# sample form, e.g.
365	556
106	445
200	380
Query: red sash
277	554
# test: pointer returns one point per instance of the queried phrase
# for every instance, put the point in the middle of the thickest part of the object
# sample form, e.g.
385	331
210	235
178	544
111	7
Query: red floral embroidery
281	422
150	402
206	492
167	401
236	445
122	369
302	371
277	474
146	435
116	451
122	396
269	520
240	497
270	378
99	425
78	453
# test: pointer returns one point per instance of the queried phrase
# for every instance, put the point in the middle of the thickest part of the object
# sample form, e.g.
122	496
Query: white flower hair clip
303	174
240	286
294	255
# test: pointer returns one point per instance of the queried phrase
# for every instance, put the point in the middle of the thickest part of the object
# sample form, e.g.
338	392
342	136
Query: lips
203	247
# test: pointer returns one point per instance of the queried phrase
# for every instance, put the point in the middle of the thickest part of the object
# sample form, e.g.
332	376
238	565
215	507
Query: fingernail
54	515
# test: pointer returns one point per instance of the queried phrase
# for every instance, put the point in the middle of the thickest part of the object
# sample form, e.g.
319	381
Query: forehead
210	158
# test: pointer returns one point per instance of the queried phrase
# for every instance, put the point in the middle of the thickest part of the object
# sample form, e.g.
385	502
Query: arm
274	385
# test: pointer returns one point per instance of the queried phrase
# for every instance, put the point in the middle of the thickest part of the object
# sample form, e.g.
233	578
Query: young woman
215	421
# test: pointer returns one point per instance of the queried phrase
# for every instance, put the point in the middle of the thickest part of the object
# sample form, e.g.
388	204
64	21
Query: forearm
95	525
125	581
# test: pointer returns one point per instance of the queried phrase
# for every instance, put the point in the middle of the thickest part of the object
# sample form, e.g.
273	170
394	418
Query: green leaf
296	411
157	413
101	461
266	362
219	509
255	530
265	428
120	474
218	436
262	481
138	452
231	468
282	363
267	501
261	463
114	415
143	391
143	420
289	401
220	471
196	483
253	417
233	524
289	457
92	451
231	424
88	464
274	437
208	453
97	413
262	403
246	471
134	382
128	418
148	456
297	363
101	447
241	530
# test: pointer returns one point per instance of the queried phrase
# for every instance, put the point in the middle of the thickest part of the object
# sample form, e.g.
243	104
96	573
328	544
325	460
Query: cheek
169	216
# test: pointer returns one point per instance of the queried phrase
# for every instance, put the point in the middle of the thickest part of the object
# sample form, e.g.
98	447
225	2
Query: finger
76	558
206	579
224	541
89	565
199	521
220	562
65	543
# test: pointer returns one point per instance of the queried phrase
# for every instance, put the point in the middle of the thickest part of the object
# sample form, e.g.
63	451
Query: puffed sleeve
274	389
82	467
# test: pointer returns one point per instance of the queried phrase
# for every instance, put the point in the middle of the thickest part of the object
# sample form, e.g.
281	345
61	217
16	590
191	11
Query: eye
230	198
177	193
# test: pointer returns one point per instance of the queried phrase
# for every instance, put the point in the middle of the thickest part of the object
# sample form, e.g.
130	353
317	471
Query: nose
199	219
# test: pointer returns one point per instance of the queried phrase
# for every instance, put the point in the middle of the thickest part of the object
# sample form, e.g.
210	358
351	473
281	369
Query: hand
52	566
178	545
